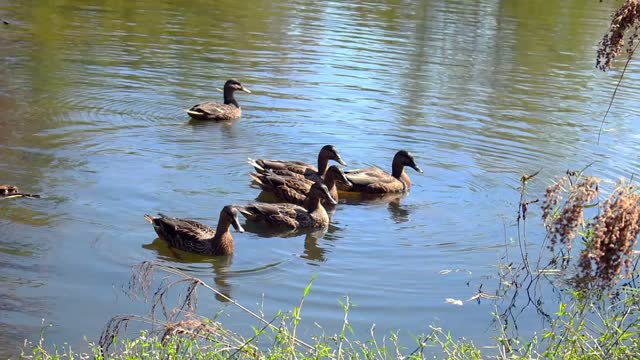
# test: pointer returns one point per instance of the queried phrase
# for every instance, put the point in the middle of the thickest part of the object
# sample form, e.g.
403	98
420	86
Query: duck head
230	214
329	152
320	191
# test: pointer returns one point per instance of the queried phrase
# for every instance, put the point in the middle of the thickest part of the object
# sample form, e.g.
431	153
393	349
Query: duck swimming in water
376	181
215	111
12	191
192	236
291	216
299	168
294	189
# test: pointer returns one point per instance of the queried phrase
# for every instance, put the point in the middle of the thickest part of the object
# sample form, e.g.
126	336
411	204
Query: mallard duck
294	189
195	237
291	216
11	191
212	110
299	168
377	181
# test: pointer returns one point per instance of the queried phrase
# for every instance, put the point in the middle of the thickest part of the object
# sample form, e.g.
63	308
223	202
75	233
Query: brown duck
212	110
377	181
299	168
291	216
294	189
11	191
195	237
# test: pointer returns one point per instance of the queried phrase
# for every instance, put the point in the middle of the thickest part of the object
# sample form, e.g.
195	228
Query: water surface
91	100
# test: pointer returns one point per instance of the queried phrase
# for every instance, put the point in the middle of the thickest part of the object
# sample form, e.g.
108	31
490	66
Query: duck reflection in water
312	251
181	259
399	213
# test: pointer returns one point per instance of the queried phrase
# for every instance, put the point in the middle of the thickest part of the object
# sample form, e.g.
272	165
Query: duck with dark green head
216	111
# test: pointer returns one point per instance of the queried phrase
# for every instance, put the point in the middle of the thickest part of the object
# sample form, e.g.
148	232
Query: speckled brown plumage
299	168
377	181
294	189
291	216
212	110
12	191
195	237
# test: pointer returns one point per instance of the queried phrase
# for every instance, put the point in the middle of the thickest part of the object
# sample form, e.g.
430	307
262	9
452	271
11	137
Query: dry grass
614	233
563	225
623	30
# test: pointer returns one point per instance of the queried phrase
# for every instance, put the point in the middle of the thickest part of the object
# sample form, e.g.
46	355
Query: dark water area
91	117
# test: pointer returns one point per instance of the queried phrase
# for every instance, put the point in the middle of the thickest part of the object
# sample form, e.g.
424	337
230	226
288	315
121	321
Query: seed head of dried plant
624	29
611	244
564	220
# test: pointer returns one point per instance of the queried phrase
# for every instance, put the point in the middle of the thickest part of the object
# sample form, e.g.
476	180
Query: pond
91	117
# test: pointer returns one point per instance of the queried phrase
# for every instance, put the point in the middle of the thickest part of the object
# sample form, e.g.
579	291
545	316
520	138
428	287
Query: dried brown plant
563	224
624	19
611	244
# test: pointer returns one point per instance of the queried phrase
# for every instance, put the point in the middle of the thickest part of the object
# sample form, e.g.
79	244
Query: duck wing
172	228
285	215
289	189
373	181
368	176
297	167
214	110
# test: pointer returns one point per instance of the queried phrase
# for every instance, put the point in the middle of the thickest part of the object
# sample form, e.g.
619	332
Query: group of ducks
304	190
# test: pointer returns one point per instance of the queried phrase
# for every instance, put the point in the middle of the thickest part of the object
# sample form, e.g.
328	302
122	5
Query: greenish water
91	99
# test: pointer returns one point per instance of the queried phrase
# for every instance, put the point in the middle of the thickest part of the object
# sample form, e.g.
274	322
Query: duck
12	191
195	237
294	189
298	168
215	111
311	215
376	181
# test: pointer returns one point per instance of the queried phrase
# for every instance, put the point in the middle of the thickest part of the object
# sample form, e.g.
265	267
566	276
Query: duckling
299	168
212	110
376	181
12	191
195	237
291	216
294	189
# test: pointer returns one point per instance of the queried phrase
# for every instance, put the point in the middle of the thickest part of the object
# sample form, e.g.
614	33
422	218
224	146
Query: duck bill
236	225
244	89
340	161
417	168
329	199
343	179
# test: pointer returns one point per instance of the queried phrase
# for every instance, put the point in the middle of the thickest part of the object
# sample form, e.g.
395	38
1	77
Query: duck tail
255	164
149	218
243	210
257	178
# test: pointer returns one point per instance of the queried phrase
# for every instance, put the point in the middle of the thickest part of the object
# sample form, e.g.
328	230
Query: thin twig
624	70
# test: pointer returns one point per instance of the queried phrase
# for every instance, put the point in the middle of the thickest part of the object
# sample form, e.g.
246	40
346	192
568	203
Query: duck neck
397	168
312	204
223	238
330	181
322	164
229	99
